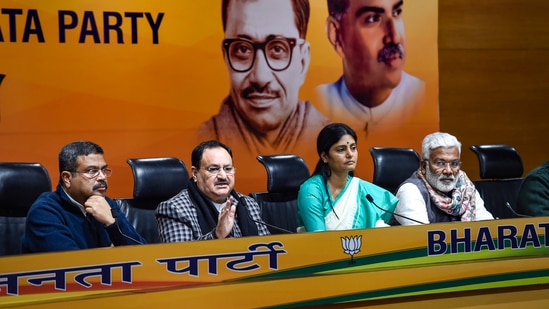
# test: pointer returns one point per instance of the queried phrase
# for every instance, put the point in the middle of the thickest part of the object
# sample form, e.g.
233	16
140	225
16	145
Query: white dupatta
345	208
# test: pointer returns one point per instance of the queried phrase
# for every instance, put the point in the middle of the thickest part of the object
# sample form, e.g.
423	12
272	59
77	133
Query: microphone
371	200
514	212
114	213
270	225
265	223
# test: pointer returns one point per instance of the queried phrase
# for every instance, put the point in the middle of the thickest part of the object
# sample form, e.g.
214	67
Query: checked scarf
462	202
207	213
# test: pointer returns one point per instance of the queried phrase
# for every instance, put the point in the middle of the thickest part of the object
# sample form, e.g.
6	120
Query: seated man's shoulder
47	200
47	209
541	172
409	186
247	199
179	198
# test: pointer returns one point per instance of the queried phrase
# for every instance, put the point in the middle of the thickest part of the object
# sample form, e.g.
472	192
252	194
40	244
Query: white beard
434	180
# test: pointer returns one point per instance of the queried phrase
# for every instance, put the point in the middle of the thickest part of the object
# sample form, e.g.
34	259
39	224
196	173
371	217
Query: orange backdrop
145	99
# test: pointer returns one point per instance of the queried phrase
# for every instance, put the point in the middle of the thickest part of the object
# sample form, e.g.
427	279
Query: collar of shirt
74	202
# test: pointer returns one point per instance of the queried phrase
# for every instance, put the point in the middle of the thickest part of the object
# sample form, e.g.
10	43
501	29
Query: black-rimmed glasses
277	50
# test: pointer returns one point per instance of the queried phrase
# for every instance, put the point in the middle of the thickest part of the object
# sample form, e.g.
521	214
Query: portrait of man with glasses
209	208
78	214
267	58
439	191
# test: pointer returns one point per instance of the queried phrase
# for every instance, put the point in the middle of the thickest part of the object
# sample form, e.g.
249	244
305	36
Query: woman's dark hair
328	136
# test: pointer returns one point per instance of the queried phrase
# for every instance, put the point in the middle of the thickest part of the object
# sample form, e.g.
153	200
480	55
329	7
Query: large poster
151	79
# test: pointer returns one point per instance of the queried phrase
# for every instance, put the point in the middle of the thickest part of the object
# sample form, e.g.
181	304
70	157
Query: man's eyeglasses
277	50
215	170
441	164
94	172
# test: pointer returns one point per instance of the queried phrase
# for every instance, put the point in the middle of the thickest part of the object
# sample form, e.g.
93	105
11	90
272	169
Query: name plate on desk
407	260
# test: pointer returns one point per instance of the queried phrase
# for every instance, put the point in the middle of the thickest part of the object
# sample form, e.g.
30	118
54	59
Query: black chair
501	171
285	173
393	165
20	185
155	180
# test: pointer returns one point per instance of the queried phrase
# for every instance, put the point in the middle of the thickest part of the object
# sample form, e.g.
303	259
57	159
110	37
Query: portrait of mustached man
374	94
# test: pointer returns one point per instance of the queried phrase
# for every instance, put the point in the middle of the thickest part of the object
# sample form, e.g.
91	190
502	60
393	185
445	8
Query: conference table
460	264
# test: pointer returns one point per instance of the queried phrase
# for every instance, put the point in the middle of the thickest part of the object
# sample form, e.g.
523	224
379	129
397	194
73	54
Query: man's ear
333	31
66	178
305	51
423	167
194	171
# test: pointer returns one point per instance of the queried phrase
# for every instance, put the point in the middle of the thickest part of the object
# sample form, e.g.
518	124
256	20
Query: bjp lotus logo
351	245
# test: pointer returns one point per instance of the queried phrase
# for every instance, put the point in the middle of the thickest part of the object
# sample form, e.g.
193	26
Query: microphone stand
114	213
267	224
371	200
514	212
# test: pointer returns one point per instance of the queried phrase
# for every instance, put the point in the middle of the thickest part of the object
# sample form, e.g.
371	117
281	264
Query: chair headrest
393	165
498	161
158	178
20	185
285	172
